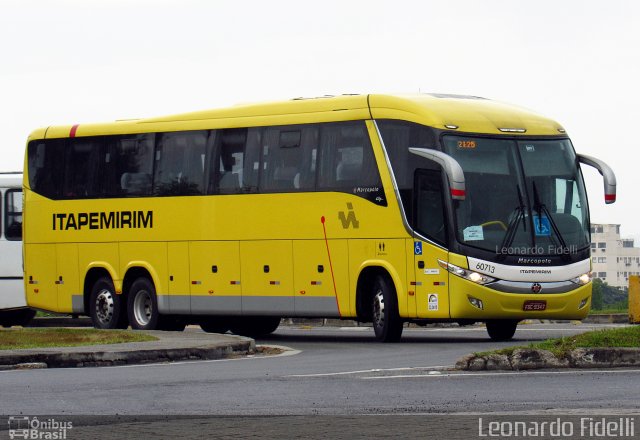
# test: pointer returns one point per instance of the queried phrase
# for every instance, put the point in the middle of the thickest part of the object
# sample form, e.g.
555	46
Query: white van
13	305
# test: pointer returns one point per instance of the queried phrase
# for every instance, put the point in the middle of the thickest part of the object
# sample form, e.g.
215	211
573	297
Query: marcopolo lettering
103	220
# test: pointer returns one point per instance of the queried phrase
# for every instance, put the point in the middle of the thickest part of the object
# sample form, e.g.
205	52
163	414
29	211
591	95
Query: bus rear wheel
387	324
254	326
105	307
501	329
142	305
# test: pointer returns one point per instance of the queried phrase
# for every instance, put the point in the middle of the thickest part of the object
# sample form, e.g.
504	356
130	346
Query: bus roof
10	179
468	114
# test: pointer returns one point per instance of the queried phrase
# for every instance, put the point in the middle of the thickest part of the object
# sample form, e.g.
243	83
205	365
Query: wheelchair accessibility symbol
542	226
418	248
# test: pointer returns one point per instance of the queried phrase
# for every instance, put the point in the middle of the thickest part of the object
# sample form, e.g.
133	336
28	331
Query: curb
534	359
225	346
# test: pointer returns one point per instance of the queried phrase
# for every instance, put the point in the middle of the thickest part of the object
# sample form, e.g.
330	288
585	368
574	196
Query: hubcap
104	306
143	307
378	309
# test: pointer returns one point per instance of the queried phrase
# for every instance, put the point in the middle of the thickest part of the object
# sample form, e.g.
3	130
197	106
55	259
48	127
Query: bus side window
132	165
251	161
84	168
289	159
180	162
46	167
229	163
13	215
308	164
347	159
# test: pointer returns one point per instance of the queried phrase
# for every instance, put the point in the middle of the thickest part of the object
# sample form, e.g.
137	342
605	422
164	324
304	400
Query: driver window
429	213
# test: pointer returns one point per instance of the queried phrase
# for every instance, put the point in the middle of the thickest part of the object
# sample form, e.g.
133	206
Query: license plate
534	306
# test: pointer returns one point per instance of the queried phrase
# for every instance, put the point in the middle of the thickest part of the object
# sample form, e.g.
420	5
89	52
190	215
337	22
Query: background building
613	258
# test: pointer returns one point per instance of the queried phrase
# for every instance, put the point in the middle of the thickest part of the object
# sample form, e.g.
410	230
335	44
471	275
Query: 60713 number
485	267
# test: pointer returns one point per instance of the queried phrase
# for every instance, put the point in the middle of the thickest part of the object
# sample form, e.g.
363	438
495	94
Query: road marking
501	373
373	370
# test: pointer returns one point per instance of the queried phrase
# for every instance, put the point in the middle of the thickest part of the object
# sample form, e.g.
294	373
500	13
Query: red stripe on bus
333	278
72	133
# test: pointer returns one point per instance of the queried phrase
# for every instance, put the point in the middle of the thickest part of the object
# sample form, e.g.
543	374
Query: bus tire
254	326
106	308
142	305
215	325
501	329
387	324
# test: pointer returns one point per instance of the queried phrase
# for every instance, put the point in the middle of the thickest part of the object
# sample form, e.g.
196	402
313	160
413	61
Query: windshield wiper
541	208
512	229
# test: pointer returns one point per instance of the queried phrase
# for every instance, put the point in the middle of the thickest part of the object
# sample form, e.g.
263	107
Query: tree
605	296
597	294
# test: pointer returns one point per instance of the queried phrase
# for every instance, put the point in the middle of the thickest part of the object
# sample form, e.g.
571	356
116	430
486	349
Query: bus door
429	221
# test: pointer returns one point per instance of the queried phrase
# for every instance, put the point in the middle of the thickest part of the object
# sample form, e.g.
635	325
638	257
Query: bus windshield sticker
473	233
530	148
417	247
542	226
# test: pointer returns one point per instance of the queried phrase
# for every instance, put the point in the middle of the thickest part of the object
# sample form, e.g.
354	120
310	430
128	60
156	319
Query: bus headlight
470	275
583	279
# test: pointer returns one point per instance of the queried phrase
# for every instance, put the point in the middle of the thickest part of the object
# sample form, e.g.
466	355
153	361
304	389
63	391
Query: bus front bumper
474	301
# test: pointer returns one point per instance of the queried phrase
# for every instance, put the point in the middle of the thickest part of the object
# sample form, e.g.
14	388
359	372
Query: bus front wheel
105	307
387	324
142	305
501	329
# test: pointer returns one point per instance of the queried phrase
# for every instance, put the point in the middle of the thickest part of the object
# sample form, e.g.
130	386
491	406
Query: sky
576	61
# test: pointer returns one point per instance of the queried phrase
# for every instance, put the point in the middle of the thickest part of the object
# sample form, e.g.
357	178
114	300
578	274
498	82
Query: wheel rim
143	307
378	309
105	306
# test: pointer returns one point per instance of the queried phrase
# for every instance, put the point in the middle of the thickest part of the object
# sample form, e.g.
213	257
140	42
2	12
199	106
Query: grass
609	311
12	339
618	337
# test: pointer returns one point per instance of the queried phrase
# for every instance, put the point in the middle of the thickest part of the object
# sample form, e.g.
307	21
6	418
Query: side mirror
607	175
451	167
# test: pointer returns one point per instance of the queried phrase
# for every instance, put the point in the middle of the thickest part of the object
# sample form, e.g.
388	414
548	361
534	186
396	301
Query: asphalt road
337	372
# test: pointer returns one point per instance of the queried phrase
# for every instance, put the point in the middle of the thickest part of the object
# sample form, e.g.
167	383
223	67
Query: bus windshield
524	197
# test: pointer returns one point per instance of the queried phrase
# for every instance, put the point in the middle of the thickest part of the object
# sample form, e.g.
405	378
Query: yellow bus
377	208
